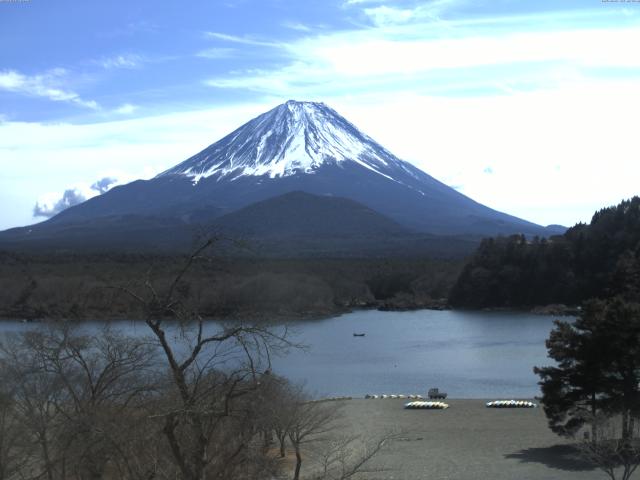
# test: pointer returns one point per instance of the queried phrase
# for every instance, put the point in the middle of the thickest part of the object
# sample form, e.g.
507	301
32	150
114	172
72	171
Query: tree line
598	260
591	391
75	287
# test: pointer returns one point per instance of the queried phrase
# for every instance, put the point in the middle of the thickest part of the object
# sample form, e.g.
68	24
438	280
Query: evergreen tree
598	368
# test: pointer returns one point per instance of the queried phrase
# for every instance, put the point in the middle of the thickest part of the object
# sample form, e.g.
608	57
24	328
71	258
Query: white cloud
126	109
46	85
40	157
104	184
257	80
360	2
369	55
242	40
381	60
300	27
51	204
557	155
127	60
216	53
384	15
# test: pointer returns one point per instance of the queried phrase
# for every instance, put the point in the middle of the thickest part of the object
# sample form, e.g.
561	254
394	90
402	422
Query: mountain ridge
297	146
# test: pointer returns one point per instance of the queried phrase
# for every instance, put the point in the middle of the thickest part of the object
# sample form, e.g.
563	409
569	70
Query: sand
466	441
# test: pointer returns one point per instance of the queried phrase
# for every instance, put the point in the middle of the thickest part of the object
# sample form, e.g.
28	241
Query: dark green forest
596	260
86	286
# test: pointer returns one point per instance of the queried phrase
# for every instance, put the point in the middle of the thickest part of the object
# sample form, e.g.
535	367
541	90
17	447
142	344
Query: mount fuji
303	147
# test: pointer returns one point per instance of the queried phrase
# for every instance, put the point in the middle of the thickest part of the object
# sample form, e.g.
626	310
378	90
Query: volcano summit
294	138
296	147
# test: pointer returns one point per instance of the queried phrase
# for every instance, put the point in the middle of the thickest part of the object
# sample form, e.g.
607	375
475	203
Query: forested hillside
600	259
86	286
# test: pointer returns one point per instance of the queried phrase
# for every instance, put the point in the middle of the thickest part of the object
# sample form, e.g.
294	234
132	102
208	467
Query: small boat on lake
358	334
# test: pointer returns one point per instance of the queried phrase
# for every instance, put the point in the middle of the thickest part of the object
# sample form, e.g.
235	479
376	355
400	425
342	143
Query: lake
467	354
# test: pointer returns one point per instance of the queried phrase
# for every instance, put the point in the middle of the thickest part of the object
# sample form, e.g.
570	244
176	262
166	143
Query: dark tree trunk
296	474
594	428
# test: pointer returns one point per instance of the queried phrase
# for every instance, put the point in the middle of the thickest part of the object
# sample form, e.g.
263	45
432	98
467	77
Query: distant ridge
303	214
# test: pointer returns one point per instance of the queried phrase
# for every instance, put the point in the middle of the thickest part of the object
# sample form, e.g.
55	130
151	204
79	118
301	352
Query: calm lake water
466	354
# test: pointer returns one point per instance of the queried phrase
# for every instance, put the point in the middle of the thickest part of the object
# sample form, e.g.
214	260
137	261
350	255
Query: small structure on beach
434	393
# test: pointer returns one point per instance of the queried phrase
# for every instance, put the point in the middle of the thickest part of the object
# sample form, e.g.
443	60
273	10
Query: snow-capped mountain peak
293	138
293	151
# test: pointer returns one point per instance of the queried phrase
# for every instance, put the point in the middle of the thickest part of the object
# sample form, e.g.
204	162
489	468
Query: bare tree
614	451
194	400
309	422
277	405
35	396
76	397
211	372
14	451
344	457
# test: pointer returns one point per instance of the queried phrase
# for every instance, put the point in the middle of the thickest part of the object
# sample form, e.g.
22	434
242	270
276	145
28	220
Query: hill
600	259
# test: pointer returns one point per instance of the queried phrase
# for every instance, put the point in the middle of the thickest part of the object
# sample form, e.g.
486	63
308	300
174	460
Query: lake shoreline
466	354
289	316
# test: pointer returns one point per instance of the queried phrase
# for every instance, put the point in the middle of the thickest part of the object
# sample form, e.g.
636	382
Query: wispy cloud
241	40
127	60
359	2
385	14
300	27
126	109
47	85
380	59
216	53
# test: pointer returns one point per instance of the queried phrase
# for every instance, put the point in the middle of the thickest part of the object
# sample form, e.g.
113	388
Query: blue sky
528	107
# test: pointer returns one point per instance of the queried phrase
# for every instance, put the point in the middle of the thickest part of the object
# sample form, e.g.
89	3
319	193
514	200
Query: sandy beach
466	441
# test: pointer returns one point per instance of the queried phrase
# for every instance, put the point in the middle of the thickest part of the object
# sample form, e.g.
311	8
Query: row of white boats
376	397
426	405
422	403
493	404
511	404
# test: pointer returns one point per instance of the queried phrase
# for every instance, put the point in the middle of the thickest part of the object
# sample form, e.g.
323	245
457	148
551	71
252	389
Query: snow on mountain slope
296	147
293	138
